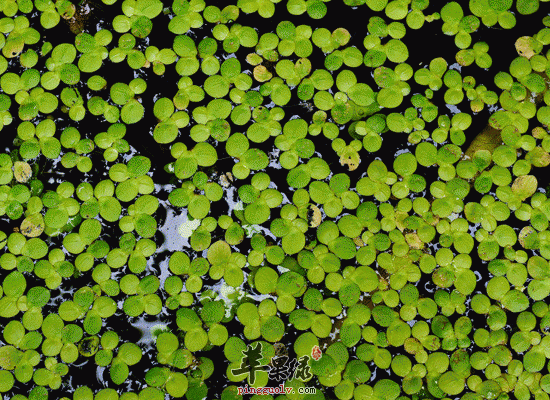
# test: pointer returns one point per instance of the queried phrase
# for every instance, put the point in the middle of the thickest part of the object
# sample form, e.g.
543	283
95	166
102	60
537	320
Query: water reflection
173	241
99	376
429	287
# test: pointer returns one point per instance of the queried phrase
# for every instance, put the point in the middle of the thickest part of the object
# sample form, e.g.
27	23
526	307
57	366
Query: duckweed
350	213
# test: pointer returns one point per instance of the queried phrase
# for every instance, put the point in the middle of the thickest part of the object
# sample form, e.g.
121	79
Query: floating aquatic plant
344	208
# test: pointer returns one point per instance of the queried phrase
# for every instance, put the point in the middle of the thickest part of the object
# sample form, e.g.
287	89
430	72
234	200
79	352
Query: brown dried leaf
526	46
414	241
489	139
539	132
13	47
226	179
33	225
83	16
261	74
412	345
314	216
524	186
22	171
538	157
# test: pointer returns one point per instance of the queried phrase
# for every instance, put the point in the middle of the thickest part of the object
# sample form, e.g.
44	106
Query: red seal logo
316	353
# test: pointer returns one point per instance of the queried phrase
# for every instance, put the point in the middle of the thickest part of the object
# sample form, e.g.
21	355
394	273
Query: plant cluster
419	274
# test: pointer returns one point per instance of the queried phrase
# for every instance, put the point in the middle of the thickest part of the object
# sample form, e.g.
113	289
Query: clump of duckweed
196	199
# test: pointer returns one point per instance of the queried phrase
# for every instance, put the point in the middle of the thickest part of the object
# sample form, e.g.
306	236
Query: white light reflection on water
454	109
173	241
232	296
147	328
99	376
